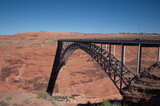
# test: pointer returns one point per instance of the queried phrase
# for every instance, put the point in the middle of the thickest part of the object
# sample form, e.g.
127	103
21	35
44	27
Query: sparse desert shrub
2	103
15	104
27	100
8	98
44	95
106	103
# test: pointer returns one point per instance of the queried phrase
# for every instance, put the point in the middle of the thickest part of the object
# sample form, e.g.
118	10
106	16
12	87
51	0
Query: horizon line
88	33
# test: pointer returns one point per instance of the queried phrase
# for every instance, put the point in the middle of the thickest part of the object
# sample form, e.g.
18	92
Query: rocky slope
145	88
26	61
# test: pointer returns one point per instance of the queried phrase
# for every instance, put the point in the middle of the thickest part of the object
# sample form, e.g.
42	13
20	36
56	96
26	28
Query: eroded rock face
145	88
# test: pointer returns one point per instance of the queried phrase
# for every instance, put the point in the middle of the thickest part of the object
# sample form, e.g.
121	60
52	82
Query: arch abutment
55	69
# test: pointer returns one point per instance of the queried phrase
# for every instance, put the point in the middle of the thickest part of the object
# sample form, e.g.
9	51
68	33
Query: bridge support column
106	47
94	49
101	47
55	69
114	50
121	73
94	44
109	70
139	58
124	55
158	56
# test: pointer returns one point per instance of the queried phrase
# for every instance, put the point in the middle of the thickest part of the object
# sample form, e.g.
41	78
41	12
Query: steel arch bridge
118	72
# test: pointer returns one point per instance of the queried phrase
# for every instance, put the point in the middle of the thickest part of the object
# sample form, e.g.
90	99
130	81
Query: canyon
27	60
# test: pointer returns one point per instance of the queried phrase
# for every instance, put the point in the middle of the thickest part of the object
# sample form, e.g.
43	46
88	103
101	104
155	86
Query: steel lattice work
118	72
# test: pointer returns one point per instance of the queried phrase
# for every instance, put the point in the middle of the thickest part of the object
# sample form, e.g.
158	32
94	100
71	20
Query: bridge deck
149	43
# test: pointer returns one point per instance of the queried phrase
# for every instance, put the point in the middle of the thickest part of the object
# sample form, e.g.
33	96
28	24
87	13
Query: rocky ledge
145	87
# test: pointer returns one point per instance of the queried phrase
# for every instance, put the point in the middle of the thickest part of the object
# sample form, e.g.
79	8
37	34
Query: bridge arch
110	64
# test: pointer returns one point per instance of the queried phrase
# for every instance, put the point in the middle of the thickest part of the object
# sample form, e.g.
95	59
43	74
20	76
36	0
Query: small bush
2	103
106	103
8	98
27	100
15	104
44	95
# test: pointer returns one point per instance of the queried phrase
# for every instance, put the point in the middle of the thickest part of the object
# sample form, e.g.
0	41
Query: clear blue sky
87	16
